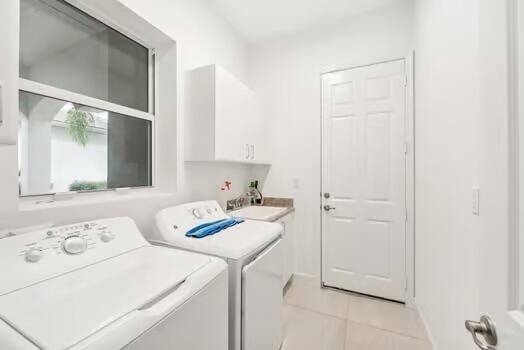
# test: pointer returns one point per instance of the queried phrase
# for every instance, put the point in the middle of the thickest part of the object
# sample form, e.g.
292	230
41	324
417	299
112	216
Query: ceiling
262	19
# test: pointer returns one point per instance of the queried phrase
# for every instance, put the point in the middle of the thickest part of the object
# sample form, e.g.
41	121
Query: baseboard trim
429	334
306	275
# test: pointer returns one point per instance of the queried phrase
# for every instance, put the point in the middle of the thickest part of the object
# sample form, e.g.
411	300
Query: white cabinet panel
288	242
258	139
262	301
9	18
8	180
229	115
252	127
9	28
223	118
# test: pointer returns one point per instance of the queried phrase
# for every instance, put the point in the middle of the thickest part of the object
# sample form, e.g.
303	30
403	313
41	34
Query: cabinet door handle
252	152
247	151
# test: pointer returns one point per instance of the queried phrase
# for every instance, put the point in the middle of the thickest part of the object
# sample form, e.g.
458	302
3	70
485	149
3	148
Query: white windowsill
40	203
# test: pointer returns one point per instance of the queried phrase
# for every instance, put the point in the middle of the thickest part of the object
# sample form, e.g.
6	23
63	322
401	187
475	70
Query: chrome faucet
237	203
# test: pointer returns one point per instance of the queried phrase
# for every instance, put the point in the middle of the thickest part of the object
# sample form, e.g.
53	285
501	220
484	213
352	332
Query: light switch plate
475	201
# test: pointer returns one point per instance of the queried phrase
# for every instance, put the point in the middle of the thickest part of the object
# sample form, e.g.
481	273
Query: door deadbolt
327	195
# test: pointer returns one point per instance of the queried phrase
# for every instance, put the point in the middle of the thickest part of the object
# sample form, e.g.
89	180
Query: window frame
30	86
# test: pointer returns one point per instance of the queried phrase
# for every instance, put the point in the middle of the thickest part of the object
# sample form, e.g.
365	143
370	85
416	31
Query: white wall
447	160
286	72
202	38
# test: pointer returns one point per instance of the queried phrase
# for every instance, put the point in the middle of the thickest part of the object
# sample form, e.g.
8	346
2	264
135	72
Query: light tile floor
324	319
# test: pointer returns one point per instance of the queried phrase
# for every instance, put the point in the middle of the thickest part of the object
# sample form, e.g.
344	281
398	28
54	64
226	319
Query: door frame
515	255
410	169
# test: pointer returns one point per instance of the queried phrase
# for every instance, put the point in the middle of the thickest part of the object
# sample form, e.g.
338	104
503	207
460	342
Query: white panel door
364	175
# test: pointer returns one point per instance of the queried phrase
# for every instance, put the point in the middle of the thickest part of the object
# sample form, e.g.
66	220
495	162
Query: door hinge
406	147
405	80
406	216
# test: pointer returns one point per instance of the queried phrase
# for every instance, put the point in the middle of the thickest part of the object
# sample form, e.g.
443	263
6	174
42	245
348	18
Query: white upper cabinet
223	119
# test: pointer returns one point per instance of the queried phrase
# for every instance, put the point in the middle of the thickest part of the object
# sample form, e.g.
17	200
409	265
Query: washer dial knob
197	213
107	237
74	245
34	255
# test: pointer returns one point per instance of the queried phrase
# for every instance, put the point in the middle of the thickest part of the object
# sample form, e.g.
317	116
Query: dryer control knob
107	237
74	245
34	255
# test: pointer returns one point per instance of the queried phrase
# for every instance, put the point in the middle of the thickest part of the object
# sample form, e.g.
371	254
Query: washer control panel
35	256
183	217
206	211
71	240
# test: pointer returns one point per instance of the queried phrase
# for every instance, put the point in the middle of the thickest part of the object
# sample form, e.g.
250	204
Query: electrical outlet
475	201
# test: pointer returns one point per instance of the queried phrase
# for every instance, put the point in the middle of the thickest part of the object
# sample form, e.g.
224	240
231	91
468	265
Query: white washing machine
253	251
99	285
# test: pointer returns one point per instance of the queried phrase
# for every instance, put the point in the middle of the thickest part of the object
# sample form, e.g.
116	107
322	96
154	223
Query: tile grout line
316	311
347	320
387	330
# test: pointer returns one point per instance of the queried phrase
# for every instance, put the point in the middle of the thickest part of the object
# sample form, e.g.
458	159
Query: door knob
327	207
484	329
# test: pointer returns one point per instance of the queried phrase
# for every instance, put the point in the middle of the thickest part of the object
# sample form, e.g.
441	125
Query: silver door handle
327	207
485	329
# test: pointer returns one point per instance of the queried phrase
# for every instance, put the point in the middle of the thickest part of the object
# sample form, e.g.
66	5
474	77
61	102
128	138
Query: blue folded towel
211	228
201	226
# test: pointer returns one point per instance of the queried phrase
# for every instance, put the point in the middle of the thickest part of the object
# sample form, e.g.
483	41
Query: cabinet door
259	132
229	121
246	125
251	126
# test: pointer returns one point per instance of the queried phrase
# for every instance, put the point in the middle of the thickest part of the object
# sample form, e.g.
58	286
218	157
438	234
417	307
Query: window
85	103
